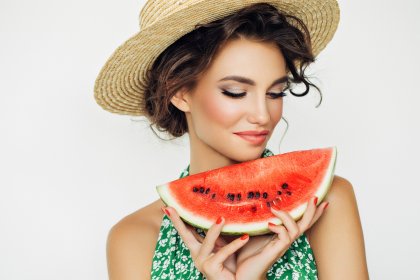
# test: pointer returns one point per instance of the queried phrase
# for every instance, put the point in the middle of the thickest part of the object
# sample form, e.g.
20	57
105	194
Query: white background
70	170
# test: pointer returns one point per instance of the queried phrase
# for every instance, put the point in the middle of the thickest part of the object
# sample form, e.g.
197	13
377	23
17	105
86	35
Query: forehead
248	58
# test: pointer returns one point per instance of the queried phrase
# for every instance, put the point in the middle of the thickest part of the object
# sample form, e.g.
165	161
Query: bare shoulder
337	237
341	191
340	188
131	243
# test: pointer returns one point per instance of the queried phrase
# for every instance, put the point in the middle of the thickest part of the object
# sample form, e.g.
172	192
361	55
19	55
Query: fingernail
271	224
166	211
326	205
315	200
219	220
245	236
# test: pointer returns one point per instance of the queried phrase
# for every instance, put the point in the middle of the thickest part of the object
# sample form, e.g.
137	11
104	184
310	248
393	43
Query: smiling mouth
254	139
253	132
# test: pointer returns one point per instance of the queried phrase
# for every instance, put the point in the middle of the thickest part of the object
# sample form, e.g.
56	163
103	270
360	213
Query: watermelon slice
244	192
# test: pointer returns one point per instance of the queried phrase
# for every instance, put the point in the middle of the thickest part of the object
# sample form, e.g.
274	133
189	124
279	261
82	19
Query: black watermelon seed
239	196
265	195
257	195
268	204
213	195
231	196
201	189
207	190
195	189
278	192
284	186
250	195
289	193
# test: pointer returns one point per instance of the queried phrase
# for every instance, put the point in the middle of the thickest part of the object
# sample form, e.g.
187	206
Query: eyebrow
248	81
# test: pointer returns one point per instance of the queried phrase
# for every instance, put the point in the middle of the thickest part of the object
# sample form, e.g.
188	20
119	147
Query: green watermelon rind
253	229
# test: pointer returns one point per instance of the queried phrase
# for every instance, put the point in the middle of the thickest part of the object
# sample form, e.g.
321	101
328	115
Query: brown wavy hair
181	64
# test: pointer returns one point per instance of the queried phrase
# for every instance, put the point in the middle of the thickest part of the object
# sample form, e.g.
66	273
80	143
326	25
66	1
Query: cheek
219	110
276	112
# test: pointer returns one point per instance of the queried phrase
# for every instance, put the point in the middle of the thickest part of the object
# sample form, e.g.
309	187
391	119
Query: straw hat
120	83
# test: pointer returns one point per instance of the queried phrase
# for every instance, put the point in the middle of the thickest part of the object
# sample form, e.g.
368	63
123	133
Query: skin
335	234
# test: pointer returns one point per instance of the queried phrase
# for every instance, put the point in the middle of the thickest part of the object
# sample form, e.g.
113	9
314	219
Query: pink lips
253	136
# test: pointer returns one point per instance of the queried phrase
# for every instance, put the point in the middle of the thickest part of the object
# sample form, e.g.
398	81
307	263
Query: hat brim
120	84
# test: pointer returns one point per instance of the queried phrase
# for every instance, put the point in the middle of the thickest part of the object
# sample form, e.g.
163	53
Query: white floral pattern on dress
172	258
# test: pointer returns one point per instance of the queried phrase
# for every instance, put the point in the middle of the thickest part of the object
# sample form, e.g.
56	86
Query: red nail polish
271	224
167	212
326	205
315	200
219	220
245	236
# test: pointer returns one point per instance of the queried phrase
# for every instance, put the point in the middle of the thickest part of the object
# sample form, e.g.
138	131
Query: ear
181	100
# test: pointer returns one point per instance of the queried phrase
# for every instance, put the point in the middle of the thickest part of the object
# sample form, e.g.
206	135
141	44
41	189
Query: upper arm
337	237
130	249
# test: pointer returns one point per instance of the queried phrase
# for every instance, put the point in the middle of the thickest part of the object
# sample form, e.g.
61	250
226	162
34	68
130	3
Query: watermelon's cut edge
258	228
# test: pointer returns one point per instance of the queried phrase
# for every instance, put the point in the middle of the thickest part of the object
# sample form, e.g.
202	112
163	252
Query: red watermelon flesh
243	193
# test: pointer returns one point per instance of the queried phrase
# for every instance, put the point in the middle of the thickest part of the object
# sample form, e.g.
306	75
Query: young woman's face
244	67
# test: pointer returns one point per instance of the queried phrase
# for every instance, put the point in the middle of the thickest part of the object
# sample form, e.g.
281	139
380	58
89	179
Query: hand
261	252
209	259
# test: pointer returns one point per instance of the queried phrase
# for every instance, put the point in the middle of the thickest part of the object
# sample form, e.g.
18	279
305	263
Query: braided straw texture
121	82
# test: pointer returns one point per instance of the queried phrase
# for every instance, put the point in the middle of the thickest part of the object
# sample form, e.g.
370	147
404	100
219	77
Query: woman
226	75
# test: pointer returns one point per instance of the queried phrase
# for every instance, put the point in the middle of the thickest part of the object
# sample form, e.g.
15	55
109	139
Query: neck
208	161
205	159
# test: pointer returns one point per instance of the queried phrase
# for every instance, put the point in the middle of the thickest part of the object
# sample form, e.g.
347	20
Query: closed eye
242	94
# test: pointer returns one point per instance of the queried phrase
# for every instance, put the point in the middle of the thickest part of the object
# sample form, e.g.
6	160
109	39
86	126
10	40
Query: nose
258	112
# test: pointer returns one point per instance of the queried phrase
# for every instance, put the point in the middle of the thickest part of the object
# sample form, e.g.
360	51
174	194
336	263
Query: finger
230	248
287	221
278	245
211	237
281	231
308	216
190	241
318	213
284	236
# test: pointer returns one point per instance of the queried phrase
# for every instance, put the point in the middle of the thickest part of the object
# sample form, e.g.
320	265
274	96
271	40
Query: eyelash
239	95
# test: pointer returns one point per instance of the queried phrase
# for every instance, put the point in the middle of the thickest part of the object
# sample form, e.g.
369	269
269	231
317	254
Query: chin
248	154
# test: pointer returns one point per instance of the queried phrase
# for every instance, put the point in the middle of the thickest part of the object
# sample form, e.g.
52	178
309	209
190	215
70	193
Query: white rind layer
250	228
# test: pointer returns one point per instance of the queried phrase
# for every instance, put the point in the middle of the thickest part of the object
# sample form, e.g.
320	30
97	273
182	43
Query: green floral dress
172	258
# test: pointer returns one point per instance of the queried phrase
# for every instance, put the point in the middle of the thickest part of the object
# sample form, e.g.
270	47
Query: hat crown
155	10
